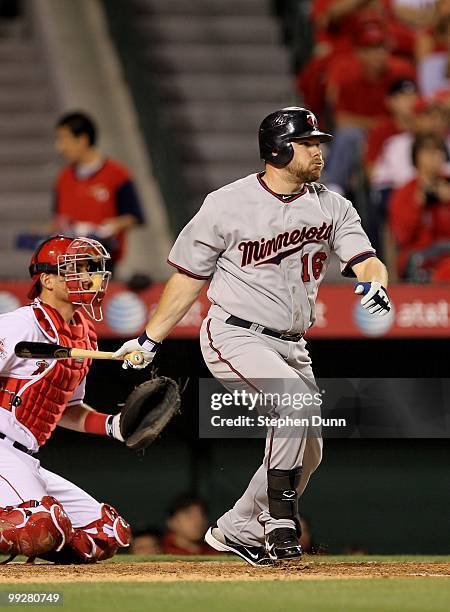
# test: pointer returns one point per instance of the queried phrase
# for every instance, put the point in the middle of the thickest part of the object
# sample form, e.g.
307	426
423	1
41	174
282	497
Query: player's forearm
179	294
84	419
74	417
371	270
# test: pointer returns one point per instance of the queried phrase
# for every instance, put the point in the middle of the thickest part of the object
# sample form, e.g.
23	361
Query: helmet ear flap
285	153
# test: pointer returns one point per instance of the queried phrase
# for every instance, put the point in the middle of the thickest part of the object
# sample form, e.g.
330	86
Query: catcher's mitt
147	411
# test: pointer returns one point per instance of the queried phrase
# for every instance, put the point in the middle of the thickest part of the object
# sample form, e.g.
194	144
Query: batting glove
375	298
143	344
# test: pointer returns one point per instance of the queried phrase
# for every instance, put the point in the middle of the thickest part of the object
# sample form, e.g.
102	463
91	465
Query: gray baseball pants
244	359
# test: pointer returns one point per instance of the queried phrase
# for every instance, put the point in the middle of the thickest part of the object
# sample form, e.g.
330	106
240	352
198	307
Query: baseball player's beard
305	175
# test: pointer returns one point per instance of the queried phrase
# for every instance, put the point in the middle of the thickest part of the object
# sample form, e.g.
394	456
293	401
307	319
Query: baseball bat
42	350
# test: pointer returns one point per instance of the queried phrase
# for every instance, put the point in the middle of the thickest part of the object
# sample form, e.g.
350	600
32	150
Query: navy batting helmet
281	127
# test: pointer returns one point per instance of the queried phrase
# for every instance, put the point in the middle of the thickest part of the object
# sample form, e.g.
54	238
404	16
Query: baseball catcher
41	513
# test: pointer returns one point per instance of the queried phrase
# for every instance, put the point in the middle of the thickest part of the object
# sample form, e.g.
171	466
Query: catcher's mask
80	262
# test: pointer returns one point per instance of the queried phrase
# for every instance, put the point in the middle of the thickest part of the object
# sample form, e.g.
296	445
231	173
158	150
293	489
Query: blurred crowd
379	76
186	524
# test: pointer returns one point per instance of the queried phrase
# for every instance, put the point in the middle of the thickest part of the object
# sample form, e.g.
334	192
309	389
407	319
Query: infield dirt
217	571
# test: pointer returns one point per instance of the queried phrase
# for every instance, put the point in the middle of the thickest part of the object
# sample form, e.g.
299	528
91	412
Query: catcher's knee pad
100	539
34	527
282	493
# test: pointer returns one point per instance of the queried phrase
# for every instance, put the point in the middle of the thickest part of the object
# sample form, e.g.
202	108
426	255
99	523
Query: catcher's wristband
148	344
97	423
103	424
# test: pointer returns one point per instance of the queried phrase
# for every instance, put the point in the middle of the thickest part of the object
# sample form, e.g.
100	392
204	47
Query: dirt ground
216	571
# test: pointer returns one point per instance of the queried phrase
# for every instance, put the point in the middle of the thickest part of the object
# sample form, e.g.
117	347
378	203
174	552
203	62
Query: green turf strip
376	595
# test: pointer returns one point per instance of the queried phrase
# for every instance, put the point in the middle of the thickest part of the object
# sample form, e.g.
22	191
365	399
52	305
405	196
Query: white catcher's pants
23	478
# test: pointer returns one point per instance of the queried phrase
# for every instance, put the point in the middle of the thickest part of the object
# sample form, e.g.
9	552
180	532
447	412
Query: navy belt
18	445
263	330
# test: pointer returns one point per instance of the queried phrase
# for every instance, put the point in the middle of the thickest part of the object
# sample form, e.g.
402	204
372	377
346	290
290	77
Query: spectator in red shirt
383	163
388	154
187	524
389	162
433	38
94	195
419	214
146	542
401	101
433	69
358	92
336	23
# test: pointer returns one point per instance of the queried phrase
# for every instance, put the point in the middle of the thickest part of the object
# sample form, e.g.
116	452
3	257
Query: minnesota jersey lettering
273	279
260	249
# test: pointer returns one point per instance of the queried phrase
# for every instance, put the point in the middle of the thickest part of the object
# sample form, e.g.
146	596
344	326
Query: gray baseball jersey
267	254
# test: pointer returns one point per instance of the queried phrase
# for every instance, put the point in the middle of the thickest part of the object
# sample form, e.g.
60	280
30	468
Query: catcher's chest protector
39	403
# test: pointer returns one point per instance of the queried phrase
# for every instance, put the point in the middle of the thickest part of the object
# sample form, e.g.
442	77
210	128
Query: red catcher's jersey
38	397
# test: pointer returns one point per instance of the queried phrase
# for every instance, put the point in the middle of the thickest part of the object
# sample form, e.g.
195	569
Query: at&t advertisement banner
418	311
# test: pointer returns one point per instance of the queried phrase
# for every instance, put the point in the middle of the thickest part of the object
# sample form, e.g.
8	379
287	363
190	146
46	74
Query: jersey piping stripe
15	490
358	259
263	525
242	377
187	272
270	447
293	197
369	253
225	361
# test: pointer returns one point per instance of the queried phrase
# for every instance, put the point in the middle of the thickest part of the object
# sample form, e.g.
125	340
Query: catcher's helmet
281	127
63	256
45	259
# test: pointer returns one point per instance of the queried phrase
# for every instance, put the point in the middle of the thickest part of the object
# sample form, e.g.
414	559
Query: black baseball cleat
255	555
283	544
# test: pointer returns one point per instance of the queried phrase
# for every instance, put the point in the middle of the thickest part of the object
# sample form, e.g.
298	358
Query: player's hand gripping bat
42	350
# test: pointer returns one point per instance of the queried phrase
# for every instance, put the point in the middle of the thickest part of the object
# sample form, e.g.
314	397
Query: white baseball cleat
255	555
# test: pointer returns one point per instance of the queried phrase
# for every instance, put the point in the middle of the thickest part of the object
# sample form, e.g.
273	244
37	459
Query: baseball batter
264	243
41	513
